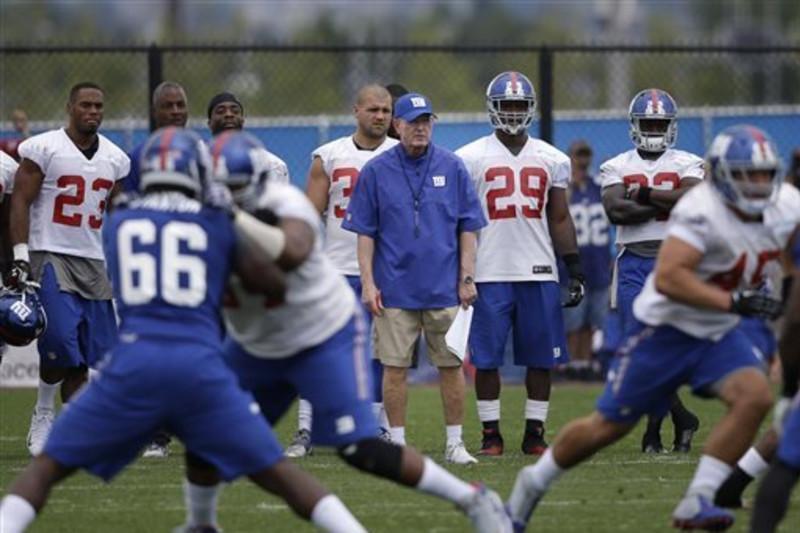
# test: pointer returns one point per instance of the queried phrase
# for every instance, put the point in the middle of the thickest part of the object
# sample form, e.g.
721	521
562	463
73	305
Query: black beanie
221	98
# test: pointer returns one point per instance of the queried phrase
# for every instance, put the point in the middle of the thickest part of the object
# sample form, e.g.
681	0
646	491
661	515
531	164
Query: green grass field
619	490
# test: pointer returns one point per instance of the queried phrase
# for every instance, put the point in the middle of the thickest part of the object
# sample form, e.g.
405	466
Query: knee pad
375	456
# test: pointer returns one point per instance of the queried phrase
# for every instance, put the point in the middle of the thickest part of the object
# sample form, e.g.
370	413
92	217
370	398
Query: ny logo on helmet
659	107
21	310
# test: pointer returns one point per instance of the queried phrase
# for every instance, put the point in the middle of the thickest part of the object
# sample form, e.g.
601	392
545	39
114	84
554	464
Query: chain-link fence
296	98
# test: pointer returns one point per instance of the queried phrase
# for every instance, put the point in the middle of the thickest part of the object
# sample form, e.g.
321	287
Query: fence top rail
485	48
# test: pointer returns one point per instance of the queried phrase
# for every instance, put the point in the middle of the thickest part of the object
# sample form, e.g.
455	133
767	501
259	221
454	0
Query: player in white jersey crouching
721	235
311	343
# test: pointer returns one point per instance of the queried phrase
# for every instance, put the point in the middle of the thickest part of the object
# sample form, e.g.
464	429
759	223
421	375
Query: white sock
304	415
711	473
545	471
752	463
398	434
536	410
46	396
380	414
16	514
530	486
201	503
489	410
454	434
331	515
438	481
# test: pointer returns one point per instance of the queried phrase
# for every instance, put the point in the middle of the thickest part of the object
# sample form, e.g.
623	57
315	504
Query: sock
710	474
454	434
772	499
536	410
201	503
398	434
331	515
304	415
46	396
16	514
380	414
489	413
531	484
383	421
752	463
439	482
545	471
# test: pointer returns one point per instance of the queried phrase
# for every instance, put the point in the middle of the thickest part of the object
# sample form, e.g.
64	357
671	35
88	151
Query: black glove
18	276
576	286
755	304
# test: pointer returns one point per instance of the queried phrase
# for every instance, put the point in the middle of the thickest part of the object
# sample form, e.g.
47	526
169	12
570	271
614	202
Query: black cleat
651	443
684	433
491	443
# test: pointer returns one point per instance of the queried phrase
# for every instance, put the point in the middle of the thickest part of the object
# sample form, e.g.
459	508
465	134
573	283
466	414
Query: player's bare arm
666	200
5	241
318	185
299	243
562	228
257	271
27	184
467	292
370	294
624	211
675	277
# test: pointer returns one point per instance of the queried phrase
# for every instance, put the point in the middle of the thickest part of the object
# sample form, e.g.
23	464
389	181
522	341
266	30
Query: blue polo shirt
416	262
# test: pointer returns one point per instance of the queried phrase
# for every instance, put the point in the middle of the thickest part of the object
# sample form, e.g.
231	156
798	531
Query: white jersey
514	190
664	173
277	170
343	161
318	301
735	255
67	215
8	167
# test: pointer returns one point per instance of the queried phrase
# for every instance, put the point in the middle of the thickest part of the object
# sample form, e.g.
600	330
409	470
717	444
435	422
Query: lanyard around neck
418	194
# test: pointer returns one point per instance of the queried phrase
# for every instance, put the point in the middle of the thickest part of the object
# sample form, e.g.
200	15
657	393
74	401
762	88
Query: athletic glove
576	286
18	276
755	304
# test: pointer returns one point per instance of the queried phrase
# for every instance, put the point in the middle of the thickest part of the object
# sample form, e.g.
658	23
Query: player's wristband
269	238
643	195
573	264
21	252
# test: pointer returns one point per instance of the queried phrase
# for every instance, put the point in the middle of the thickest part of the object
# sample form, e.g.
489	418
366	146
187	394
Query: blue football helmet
239	161
653	105
175	157
736	151
22	317
510	86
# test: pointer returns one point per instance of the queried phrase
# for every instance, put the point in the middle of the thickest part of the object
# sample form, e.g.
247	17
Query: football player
640	187
331	180
59	201
170	255
521	183
707	274
312	343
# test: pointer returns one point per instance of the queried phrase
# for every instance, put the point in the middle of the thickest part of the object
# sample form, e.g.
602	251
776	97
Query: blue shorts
761	336
334	376
653	363
377	367
789	446
154	384
590	312
79	331
533	309
632	271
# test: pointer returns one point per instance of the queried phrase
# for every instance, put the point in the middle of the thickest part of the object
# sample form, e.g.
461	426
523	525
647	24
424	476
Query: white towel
458	334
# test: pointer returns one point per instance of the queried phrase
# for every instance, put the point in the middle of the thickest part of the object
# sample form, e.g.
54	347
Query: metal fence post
155	75
546	94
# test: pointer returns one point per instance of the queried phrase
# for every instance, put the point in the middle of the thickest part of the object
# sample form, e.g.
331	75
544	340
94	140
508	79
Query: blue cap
412	105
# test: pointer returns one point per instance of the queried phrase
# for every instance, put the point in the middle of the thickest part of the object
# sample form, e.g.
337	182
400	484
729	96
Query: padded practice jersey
514	190
342	161
8	167
735	256
664	173
318	300
67	215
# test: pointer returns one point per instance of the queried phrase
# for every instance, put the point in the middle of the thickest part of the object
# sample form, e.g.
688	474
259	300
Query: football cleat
486	512
41	423
533	443
491	443
457	454
523	500
696	512
684	433
156	450
197	529
300	445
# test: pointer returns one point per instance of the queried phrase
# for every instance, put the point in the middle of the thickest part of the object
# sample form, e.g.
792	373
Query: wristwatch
467	280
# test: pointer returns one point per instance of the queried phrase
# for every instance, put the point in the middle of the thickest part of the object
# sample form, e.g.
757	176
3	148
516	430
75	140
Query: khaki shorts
395	334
